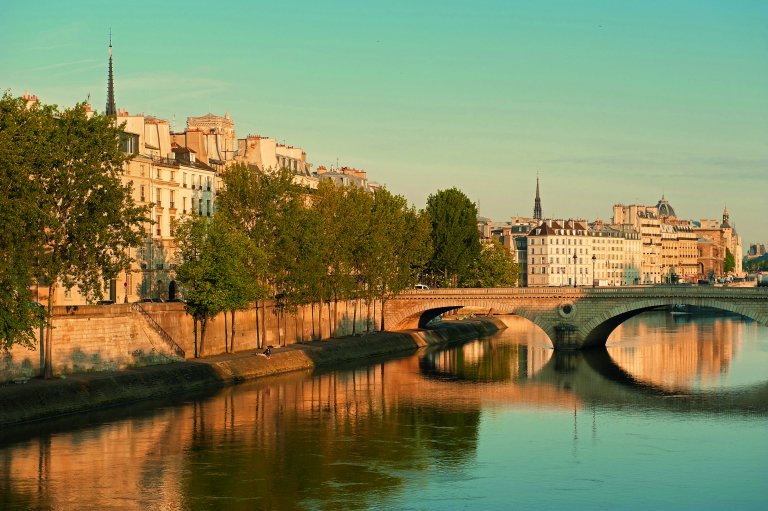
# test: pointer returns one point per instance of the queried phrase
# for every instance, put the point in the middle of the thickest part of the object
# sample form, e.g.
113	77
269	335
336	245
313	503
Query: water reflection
365	438
684	352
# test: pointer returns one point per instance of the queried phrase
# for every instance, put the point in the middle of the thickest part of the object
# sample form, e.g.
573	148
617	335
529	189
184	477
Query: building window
172	203
143	197
184	177
159	198
158	230
129	143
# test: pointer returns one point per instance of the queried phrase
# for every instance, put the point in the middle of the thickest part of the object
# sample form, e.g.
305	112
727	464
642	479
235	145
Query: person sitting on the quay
267	352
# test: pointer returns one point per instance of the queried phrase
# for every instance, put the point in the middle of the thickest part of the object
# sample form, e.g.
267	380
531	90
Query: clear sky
609	101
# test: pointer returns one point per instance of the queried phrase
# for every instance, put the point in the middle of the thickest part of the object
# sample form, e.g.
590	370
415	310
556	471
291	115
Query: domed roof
664	208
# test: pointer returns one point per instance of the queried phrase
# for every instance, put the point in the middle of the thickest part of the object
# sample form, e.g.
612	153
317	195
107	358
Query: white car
421	286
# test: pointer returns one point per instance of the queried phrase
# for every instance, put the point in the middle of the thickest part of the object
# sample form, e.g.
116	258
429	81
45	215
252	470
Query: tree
21	235
730	261
493	268
85	218
455	239
257	203
204	266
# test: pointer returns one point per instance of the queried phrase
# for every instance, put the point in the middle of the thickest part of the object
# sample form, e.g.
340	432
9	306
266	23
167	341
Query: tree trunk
354	318
48	373
382	314
295	326
368	315
203	325
303	320
226	334
330	321
194	329
264	324
232	332
374	314
258	329
312	318
335	315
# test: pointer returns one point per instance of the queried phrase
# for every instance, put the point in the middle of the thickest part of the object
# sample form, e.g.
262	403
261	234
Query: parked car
421	286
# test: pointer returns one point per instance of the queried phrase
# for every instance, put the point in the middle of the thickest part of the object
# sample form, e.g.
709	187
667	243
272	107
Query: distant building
560	254
347	176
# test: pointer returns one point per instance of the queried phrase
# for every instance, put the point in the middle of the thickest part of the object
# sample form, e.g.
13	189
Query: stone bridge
573	318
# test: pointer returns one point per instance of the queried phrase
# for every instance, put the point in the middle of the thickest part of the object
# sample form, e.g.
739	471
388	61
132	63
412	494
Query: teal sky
609	101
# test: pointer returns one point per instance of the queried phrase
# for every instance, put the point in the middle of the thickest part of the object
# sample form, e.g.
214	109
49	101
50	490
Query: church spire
537	202
111	110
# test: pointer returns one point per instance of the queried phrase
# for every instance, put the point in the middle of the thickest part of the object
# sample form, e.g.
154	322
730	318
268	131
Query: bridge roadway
572	318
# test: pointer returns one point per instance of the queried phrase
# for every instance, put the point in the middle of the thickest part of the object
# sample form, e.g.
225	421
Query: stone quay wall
43	399
89	338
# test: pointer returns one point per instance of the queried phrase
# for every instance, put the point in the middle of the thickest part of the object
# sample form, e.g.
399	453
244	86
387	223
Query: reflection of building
693	354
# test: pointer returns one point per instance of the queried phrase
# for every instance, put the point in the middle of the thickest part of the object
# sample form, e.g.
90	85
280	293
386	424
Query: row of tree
70	218
271	239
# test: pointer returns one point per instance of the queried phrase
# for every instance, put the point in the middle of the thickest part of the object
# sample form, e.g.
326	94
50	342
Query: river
673	415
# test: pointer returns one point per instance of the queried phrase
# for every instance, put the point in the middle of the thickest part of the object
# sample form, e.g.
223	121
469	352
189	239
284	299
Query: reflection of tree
336	441
479	361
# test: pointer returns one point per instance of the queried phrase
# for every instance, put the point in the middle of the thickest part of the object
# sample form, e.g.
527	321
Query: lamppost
574	267
594	258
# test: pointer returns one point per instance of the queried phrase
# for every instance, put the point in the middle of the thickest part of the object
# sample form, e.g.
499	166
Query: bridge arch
597	331
418	314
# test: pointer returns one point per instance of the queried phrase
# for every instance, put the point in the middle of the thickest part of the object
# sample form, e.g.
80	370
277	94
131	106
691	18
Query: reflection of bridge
594	377
573	318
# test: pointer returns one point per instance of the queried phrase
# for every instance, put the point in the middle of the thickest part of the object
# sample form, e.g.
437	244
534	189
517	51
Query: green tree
730	261
21	236
205	264
493	268
258	204
86	217
455	239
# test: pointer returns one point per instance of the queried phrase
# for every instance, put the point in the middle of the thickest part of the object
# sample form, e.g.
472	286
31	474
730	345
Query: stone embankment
39	399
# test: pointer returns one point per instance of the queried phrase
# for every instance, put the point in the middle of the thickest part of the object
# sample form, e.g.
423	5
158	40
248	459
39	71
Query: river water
673	415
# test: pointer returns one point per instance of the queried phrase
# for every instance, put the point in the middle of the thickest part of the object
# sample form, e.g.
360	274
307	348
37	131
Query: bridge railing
646	290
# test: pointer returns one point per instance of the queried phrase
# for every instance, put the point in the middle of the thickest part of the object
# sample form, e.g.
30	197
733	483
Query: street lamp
594	258
574	267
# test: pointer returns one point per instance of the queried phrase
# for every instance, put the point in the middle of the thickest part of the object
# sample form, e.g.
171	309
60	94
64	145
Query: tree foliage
493	268
21	236
216	265
455	239
75	209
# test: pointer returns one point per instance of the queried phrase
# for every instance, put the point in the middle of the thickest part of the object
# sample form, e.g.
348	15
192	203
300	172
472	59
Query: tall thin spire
110	110
537	202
